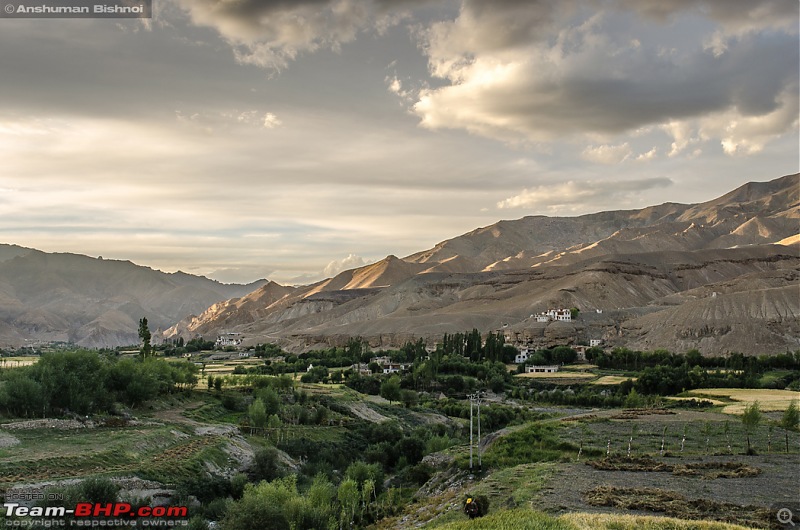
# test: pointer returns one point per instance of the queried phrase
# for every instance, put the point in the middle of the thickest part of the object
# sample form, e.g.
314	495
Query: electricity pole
474	399
470	431
478	399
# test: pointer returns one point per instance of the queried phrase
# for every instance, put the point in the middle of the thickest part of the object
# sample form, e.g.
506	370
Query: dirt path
363	411
175	415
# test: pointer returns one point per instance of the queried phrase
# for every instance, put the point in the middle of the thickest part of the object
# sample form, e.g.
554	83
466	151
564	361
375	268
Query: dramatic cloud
573	195
271	34
249	138
543	71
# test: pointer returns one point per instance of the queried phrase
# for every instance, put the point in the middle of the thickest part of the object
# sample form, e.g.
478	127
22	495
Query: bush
418	474
197	523
266	465
233	402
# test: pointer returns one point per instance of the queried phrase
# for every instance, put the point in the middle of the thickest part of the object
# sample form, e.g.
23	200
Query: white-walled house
381	360
229	339
595	342
537	369
522	356
558	315
393	368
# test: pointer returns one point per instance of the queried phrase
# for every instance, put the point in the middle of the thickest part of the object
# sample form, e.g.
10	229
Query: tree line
86	382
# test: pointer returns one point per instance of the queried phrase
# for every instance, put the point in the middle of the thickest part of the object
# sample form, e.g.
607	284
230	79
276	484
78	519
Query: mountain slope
718	276
96	302
626	263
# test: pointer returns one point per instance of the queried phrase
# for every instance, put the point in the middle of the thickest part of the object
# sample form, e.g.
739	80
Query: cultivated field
559	375
769	400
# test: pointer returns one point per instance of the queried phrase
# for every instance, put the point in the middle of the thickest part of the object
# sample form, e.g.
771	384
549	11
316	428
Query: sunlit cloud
581	196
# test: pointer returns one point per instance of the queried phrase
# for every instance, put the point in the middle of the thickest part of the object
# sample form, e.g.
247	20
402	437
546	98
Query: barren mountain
644	269
94	302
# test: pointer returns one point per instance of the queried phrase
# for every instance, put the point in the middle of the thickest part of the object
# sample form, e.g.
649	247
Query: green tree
348	496
266	464
750	419
258	414
368	494
271	399
409	398
274	422
144	336
390	389
789	420
262	506
633	400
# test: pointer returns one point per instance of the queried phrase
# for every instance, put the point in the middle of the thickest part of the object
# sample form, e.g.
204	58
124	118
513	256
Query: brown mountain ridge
719	276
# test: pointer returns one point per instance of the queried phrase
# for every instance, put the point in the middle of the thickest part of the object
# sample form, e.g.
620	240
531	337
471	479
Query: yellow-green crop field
558	375
16	362
525	519
769	400
612	380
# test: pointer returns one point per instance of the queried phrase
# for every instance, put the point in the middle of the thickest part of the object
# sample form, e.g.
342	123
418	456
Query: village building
537	369
361	369
388	366
560	315
228	339
555	315
522	356
381	360
393	368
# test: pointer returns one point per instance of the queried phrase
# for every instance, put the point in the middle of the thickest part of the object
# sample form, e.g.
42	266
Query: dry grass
674	504
769	400
612	380
634	463
602	521
707	470
580	367
713	470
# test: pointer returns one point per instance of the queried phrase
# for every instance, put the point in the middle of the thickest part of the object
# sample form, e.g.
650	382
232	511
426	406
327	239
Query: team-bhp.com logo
118	514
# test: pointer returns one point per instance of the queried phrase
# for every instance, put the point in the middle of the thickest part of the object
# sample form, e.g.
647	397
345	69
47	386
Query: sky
290	140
